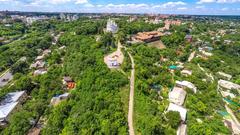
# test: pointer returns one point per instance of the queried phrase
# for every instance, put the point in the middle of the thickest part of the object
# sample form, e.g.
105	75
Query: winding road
131	97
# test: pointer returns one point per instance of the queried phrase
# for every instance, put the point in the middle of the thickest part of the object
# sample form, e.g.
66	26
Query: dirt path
131	98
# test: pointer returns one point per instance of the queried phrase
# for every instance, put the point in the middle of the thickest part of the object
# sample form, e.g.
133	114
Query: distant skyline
197	7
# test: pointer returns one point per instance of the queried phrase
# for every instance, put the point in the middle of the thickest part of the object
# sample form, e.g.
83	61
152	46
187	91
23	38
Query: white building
8	104
177	108
111	26
206	54
225	76
39	72
186	84
57	99
177	95
227	86
186	72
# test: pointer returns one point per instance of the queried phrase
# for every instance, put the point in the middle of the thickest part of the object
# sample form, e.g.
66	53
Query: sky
197	7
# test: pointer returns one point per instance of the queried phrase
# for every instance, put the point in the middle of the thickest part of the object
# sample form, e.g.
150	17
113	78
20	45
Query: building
39	72
111	26
205	53
224	75
188	38
182	111
147	36
186	84
186	72
68	82
177	96
46	52
40	57
168	23
10	103
228	86
38	64
57	99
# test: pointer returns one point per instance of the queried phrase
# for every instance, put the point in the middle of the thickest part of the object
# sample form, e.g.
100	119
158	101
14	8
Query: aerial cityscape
88	67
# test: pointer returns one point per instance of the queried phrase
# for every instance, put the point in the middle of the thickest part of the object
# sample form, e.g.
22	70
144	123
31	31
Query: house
57	99
182	129
67	79
39	72
186	84
10	103
68	82
147	36
188	38
38	64
62	47
228	86
112	61
177	96
40	57
182	111
227	94
46	52
224	75
186	72
111	26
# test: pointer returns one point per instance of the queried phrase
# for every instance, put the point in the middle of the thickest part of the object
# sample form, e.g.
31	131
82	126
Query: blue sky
205	7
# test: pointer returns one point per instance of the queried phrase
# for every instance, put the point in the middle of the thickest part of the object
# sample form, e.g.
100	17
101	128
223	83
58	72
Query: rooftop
228	85
187	84
9	103
177	95
180	109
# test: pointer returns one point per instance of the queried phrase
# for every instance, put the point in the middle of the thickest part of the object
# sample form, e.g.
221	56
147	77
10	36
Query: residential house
177	96
38	64
40	57
224	75
147	36
68	82
182	111
204	53
39	72
188	38
186	84
46	52
57	99
186	72
228	86
10	103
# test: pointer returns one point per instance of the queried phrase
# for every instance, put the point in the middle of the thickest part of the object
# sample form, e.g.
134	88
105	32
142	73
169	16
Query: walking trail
131	97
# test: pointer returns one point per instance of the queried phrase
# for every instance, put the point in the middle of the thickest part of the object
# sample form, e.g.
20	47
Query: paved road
131	98
7	76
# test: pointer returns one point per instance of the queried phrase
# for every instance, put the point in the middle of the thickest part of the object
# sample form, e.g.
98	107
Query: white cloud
88	5
56	2
81	1
217	1
173	4
126	6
